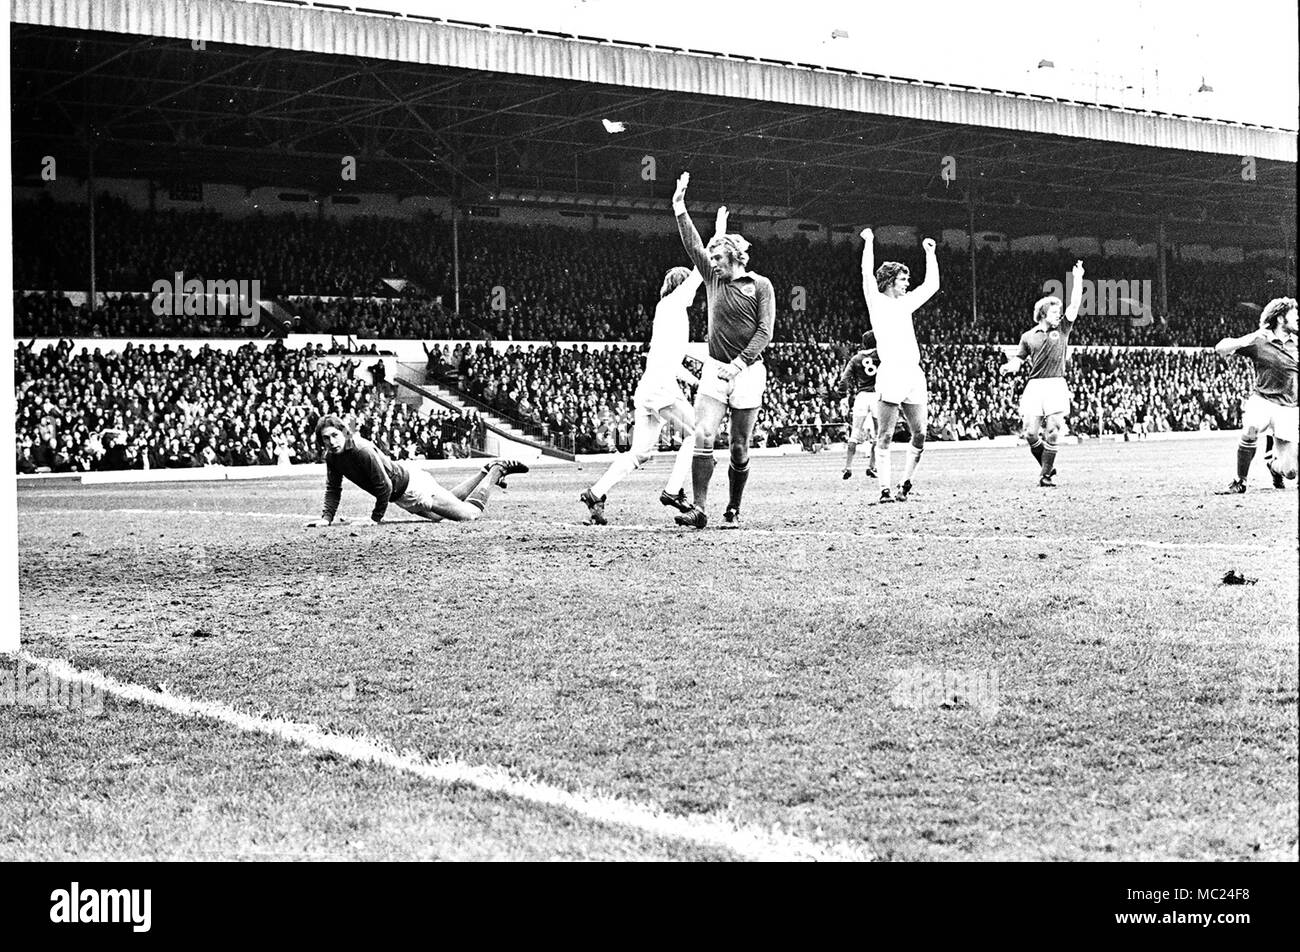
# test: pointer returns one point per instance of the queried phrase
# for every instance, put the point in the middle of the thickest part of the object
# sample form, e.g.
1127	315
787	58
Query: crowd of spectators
580	397
555	283
152	407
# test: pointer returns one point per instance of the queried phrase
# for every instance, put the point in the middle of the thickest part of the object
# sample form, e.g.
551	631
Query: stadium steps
414	373
505	437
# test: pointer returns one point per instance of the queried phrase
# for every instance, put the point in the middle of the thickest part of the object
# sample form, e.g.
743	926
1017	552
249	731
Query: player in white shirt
899	379
658	399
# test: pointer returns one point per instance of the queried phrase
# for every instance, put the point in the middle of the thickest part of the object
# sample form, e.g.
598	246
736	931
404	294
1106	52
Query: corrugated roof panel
383	36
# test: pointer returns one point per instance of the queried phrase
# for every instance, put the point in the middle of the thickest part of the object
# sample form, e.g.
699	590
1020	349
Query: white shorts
901	383
1266	415
865	405
422	491
1043	397
651	396
742	392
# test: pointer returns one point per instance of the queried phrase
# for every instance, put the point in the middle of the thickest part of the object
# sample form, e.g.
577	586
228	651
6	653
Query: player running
658	399
859	381
1046	398
1272	403
347	454
742	314
899	379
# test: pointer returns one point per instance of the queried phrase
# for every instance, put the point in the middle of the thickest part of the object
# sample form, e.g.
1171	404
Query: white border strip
715	831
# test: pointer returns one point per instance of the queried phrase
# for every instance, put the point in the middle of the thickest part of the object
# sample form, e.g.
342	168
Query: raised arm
931	283
1076	292
686	228
869	289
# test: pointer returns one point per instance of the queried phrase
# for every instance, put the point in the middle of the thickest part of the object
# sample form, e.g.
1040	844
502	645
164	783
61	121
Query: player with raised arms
1271	405
658	399
900	381
742	314
858	380
350	455
1046	398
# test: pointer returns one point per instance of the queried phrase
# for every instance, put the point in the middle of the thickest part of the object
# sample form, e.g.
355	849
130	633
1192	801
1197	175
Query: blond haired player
1272	402
900	381
742	313
658	399
1046	398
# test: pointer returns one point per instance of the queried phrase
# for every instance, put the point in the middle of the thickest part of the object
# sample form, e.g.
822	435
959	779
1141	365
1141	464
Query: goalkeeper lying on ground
414	490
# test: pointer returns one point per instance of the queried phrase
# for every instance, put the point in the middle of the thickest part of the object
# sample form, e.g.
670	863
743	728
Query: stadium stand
557	281
162	407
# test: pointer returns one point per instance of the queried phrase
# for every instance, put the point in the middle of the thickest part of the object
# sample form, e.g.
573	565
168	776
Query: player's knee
1251	434
918	440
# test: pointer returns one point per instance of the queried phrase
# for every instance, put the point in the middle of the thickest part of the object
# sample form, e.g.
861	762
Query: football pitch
987	671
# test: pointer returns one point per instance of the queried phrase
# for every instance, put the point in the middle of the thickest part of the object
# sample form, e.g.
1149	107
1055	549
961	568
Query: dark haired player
900	382
350	455
742	313
858	380
1272	402
1046	398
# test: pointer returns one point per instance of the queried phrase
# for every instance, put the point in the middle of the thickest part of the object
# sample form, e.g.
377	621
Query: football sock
884	468
849	454
462	490
701	472
1049	458
913	457
1036	447
1245	455
736	479
479	496
623	464
681	468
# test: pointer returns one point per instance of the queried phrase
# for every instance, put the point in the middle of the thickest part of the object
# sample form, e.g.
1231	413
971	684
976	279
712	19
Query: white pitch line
666	528
717	831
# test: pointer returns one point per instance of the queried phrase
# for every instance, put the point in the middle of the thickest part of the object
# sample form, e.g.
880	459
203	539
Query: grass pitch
988	671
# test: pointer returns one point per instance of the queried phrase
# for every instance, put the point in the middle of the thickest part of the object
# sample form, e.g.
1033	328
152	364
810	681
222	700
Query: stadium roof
479	112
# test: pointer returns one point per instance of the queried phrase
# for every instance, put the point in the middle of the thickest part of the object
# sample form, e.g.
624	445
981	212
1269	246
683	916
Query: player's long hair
335	421
673	280
1040	308
1272	315
888	273
736	247
869	340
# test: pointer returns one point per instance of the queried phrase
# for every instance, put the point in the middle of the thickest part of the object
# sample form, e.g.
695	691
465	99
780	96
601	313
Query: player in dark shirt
1046	398
414	490
1272	403
858	381
742	313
